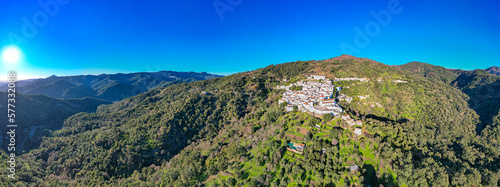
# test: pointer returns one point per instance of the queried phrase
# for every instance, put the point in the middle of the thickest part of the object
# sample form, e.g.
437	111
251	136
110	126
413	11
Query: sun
11	54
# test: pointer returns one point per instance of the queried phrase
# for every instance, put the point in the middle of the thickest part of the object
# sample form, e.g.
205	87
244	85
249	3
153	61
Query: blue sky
93	37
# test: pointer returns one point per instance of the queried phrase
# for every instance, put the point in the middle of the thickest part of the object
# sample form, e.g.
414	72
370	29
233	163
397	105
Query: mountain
113	87
232	131
482	88
493	70
431	72
37	115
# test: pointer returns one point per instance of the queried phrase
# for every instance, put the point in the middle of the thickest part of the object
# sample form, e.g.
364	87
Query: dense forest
481	87
38	115
231	131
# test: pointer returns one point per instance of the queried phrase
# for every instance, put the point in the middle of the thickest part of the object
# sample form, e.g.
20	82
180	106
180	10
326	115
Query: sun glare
11	54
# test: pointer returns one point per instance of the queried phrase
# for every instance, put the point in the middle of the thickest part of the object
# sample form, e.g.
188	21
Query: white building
351	122
400	81
350	79
363	96
317	77
357	131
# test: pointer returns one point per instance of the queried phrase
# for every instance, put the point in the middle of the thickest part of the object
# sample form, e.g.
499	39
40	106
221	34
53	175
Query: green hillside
231	131
38	115
431	72
484	91
481	87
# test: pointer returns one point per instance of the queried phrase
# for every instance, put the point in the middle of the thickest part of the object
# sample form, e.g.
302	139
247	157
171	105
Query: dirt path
209	179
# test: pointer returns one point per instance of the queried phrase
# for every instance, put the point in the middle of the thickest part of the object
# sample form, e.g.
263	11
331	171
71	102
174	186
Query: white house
400	81
346	116
357	131
317	77
351	122
363	96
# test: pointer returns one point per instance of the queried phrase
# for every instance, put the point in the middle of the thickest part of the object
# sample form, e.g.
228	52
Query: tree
335	132
327	117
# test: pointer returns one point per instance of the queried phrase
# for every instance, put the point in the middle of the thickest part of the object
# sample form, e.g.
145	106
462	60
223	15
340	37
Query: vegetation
422	133
38	115
481	87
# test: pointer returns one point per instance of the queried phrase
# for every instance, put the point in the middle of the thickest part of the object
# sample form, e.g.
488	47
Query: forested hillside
38	115
113	87
431	72
481	87
484	91
231	131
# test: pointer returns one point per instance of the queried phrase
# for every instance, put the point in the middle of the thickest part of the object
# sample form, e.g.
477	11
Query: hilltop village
317	97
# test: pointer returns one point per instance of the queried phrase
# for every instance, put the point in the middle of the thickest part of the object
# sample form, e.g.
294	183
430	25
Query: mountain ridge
495	70
120	85
481	87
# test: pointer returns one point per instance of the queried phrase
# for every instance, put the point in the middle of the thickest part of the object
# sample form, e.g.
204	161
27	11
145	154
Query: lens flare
11	54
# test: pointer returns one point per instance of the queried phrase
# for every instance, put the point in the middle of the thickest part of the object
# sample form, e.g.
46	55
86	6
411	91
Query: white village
317	97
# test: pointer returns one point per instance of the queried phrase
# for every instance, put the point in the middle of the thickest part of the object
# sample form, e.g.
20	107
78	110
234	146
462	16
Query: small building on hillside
399	81
353	168
359	123
346	116
289	108
351	122
317	77
296	147
363	96
357	131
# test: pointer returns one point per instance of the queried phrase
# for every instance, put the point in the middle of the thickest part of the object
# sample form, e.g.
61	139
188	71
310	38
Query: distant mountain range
113	87
493	70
